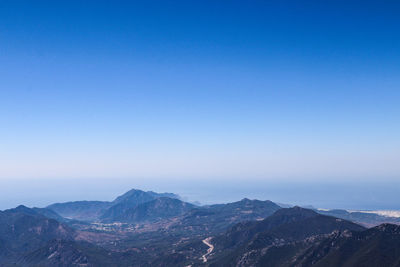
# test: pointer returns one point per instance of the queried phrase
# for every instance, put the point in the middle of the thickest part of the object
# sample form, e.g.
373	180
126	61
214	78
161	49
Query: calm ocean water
367	195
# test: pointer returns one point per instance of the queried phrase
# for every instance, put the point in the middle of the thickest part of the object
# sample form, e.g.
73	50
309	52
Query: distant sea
353	195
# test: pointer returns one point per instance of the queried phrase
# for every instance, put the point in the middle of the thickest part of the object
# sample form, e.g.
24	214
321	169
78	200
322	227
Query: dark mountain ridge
23	229
283	227
302	238
378	246
217	218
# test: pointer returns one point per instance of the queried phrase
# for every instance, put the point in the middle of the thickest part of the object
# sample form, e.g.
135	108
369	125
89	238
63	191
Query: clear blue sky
200	90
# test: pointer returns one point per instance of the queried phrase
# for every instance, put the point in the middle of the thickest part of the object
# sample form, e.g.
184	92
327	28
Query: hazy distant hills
117	210
154	210
139	196
81	210
366	219
124	205
143	228
95	210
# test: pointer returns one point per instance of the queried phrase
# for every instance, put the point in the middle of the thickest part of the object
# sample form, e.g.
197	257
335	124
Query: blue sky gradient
197	90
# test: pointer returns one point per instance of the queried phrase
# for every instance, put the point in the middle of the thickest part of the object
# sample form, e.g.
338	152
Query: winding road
209	250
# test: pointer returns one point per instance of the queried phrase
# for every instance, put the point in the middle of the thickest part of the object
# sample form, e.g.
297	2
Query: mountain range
142	228
94	210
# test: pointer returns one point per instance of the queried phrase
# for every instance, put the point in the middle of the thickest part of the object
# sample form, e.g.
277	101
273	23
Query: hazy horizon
354	195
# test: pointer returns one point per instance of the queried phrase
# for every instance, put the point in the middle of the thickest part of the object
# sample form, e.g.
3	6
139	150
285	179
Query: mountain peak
128	194
140	194
22	209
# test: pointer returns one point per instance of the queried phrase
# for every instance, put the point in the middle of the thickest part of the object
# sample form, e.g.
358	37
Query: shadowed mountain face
245	243
23	229
302	238
71	253
378	246
55	253
28	238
